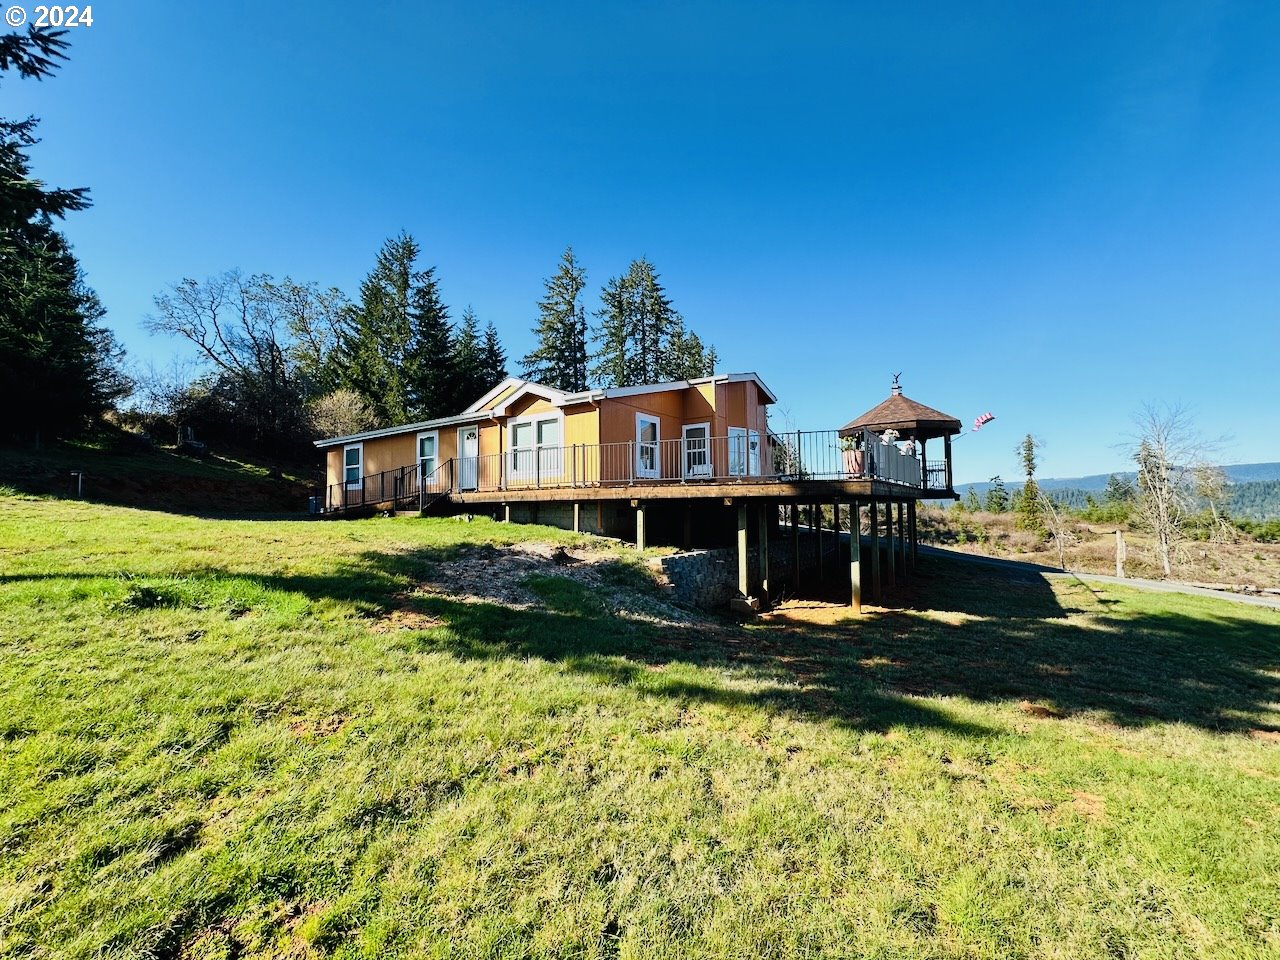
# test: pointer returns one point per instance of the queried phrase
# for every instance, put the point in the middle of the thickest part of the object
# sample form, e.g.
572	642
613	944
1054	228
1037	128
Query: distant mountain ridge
1236	473
1253	489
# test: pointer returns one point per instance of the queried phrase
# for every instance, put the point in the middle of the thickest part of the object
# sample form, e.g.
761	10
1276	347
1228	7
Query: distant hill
1236	473
1253	492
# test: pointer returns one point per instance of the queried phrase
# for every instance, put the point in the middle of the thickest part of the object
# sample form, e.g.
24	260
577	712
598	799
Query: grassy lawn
227	738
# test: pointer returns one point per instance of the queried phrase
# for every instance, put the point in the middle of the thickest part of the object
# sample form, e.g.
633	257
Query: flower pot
854	461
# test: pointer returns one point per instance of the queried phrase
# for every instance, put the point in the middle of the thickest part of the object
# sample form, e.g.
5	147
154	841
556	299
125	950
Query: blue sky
1052	213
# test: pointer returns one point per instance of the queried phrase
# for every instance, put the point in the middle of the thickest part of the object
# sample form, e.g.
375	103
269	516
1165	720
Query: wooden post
924	464
892	577
902	539
688	524
855	556
815	524
640	531
915	537
506	513
947	448
577	517
1121	553
835	525
873	517
744	586
762	560
795	544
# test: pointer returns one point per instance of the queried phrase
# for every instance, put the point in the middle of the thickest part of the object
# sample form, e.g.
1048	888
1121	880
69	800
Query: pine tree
642	337
52	345
1029	504
397	351
997	499
495	358
430	355
470	377
560	358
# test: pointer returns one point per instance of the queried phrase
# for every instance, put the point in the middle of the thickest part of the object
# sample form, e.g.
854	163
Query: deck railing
753	458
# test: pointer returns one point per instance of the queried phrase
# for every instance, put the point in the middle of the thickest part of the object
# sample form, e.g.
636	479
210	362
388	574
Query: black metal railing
691	459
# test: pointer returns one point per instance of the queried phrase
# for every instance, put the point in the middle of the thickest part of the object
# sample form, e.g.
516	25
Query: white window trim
684	450
753	466
656	472
734	434
359	465
532	420
435	434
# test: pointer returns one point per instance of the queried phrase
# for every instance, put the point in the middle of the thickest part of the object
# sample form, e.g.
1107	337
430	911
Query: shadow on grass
960	630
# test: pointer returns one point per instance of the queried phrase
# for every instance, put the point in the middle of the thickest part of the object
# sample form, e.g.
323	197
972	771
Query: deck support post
762	559
577	517
892	573
744	573
640	531
506	513
915	537
688	524
873	516
815	522
902	540
855	556
795	545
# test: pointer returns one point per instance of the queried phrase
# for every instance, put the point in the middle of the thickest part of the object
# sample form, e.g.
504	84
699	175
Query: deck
803	465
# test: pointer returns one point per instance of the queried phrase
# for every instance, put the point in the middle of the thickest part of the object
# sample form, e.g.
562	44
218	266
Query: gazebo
916	422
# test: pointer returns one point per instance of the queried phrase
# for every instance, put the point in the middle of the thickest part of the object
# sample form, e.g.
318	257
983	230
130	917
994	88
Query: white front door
468	457
697	450
647	440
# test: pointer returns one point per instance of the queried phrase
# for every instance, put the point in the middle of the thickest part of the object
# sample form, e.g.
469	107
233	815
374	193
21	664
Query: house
684	461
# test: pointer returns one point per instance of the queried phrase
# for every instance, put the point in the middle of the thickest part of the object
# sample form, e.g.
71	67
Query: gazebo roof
911	419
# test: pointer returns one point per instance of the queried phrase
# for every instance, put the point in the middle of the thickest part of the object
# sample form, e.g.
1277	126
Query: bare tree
339	414
1056	524
1169	453
240	327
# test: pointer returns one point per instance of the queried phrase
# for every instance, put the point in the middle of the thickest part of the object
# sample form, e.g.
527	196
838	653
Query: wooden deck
824	491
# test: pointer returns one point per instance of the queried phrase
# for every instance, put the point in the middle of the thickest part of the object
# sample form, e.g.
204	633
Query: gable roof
498	400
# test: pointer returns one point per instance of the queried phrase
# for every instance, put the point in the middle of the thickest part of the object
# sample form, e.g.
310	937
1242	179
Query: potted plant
854	458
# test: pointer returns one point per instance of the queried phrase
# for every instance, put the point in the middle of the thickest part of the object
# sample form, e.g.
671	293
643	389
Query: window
427	445
352	464
737	451
535	447
753	452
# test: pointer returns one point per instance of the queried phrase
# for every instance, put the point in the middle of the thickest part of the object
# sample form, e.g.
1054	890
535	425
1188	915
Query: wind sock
982	421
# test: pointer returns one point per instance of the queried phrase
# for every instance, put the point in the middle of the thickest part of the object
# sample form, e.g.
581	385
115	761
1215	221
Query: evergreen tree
495	358
1119	491
641	336
997	499
1029	504
971	502
470	376
52	345
398	350
430	355
560	358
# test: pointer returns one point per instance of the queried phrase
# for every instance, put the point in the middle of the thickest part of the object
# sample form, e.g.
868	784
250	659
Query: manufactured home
686	462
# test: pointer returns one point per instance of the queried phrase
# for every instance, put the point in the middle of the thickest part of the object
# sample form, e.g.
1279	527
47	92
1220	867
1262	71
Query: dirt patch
312	727
501	575
808	612
1088	805
1040	710
404	618
1271	736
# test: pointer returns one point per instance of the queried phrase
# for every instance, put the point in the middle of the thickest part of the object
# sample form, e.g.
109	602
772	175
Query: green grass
215	742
